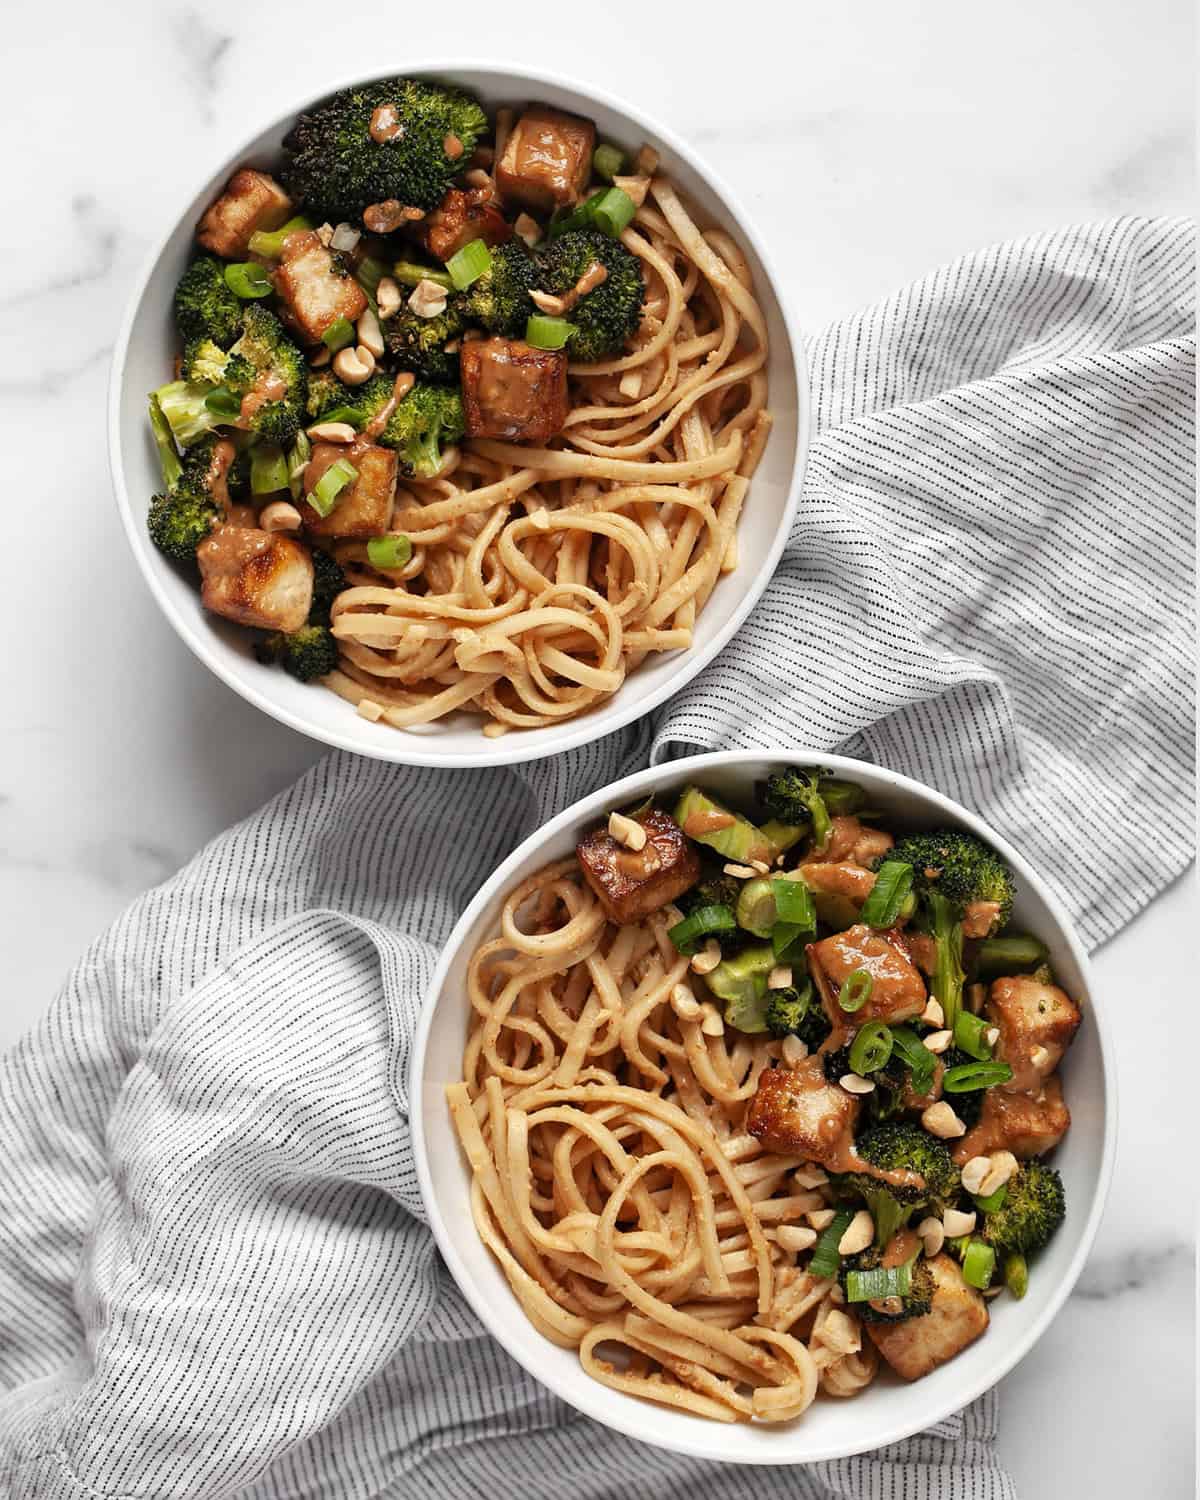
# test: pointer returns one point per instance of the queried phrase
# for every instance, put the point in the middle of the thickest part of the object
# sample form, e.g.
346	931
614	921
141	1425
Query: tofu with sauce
364	506
798	1112
838	890
316	287
1025	1124
460	218
251	201
897	990
546	160
513	391
255	577
632	883
957	1317
1037	1023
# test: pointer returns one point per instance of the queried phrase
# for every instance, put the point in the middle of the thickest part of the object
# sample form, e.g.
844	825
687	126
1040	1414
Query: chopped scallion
545	332
468	264
223	403
298	458
702	923
608	161
268	469
794	903
324	495
969	1036
389	551
978	1265
1016	1275
248	280
871	1048
826	1257
916	1057
339	333
855	991
613	211
993	1201
269	243
893	881
967	1077
877	1284
408	273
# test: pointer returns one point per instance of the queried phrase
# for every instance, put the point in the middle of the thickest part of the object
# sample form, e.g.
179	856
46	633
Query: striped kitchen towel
215	1278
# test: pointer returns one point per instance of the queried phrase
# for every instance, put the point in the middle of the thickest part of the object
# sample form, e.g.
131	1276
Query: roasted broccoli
338	169
307	653
1033	1208
419	344
428	418
331	400
205	308
184	406
799	799
204	361
960	866
265	362
915	1303
328	583
899	1146
788	1012
186	511
499	299
942	920
605	318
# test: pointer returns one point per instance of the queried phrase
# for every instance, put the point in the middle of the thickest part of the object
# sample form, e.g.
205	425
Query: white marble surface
871	140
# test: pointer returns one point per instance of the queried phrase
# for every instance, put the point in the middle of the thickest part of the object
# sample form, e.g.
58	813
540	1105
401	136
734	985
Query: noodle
541	577
614	1180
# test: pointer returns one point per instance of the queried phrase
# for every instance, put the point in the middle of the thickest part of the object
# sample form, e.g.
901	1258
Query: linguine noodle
602	1114
540	577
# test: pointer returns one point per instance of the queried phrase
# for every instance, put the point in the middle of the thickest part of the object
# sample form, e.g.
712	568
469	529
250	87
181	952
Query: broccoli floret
204	361
419	344
183	405
186	511
800	799
205	308
917	1302
328	583
264	355
714	888
963	868
307	653
942	920
1033	1208
787	1009
331	400
901	1146
325	391
499	299
428	418
607	317
336	167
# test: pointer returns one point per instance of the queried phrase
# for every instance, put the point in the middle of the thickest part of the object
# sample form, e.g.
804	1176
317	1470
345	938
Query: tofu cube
460	218
251	201
364	506
1037	1023
958	1316
255	577
796	1111
630	884
1025	1124
546	160
513	391
316	287
897	990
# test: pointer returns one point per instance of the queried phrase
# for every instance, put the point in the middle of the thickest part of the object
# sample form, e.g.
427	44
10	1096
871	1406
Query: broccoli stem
408	273
269	243
1016	1275
948	975
1009	955
164	441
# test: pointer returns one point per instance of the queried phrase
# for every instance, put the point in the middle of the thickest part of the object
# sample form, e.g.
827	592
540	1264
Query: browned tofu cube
256	577
317	288
460	218
632	883
1025	1124
251	201
513	391
546	159
897	989
957	1318
1036	1023
364	506
797	1112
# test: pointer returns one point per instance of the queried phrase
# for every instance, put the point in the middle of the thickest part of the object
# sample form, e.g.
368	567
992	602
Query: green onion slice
545	332
408	273
248	280
825	1257
269	243
978	1265
608	161
969	1036
794	904
369	273
612	211
871	1048
841	797
297	463
916	1056
324	495
1009	955
855	991
967	1077
468	264
875	1285
389	551
268	469
1016	1275
993	1201
223	403
164	440
703	922
339	333
893	881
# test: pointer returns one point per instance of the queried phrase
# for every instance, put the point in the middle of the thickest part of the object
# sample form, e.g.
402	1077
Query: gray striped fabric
214	1274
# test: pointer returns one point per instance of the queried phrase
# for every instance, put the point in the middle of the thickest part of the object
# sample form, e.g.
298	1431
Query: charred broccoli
900	1146
499	299
799	799
419	344
959	866
328	583
186	511
605	318
790	1011
205	308
338	168
914	1303
306	654
428	418
265	362
1033	1208
331	400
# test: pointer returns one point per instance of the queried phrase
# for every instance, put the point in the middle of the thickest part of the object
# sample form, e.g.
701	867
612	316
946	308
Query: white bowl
142	361
890	1409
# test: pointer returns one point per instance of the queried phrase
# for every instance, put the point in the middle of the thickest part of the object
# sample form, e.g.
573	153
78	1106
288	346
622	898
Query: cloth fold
215	1279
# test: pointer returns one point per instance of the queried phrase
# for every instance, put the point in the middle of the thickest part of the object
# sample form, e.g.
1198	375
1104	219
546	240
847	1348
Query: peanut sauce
809	1076
404	383
902	1246
268	387
385	123
706	820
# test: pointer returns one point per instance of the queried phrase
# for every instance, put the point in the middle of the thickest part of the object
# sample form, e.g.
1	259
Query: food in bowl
753	1101
466	411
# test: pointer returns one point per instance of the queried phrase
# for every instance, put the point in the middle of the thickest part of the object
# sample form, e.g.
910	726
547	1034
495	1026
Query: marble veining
870	142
